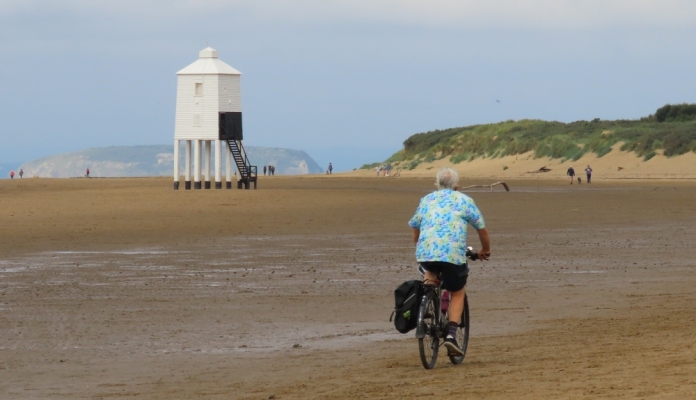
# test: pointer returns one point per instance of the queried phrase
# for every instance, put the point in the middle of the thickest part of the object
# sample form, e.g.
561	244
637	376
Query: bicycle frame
427	289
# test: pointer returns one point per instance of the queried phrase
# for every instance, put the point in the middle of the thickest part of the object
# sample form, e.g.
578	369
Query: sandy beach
124	288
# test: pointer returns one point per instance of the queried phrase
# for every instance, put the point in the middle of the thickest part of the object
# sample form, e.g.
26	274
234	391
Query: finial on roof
208	52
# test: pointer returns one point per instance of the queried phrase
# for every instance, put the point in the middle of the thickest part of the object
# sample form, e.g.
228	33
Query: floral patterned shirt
442	218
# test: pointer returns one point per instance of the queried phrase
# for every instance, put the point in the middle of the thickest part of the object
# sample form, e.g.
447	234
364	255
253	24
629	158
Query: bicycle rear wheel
462	333
429	343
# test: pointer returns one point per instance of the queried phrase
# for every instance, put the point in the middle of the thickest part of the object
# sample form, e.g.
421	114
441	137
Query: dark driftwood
542	169
505	185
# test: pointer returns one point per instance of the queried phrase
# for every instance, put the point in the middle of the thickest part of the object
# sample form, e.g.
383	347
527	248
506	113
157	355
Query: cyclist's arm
416	235
485	251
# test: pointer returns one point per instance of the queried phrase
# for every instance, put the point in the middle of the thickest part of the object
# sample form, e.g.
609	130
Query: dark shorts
452	276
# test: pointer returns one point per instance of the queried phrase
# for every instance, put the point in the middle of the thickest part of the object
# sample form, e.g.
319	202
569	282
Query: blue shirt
442	218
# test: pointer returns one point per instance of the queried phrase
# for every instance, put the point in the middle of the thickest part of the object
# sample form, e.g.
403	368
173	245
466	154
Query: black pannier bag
407	300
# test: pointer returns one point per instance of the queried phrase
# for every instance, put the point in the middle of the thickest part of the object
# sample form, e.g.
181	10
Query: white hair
446	178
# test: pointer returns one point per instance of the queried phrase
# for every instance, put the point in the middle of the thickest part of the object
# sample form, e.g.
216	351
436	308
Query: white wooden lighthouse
209	113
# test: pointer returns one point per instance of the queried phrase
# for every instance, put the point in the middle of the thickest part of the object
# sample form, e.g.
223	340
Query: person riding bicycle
439	232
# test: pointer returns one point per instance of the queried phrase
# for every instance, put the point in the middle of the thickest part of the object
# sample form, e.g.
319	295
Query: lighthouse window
199	89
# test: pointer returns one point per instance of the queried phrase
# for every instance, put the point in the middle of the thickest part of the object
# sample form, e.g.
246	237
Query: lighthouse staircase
230	124
247	172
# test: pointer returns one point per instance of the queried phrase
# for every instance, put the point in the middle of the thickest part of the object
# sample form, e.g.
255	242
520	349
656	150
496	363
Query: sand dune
607	167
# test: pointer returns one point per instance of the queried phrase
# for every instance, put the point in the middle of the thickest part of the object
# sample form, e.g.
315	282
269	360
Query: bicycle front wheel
429	343
462	333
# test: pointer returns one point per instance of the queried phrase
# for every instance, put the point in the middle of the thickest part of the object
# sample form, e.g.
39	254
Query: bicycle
433	319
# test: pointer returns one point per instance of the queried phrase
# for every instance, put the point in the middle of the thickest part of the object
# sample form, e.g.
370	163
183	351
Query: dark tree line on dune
671	130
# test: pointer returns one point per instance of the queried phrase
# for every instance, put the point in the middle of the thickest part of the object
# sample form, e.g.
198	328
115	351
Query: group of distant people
270	170
571	174
386	168
21	173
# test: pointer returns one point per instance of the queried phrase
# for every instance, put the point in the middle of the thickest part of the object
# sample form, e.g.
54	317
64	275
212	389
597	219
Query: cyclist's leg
456	306
454	279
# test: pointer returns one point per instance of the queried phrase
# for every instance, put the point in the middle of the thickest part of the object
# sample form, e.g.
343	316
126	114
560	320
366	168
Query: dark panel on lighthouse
231	126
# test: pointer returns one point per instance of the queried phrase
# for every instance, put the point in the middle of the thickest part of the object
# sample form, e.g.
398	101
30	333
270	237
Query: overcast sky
346	81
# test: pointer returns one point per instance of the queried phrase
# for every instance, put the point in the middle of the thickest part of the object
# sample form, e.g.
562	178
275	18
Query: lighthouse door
231	126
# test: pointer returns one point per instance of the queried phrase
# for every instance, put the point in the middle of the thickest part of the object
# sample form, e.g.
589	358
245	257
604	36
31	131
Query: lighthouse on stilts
209	112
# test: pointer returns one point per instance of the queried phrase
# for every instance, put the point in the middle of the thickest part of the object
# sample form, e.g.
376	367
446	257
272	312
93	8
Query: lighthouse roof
208	63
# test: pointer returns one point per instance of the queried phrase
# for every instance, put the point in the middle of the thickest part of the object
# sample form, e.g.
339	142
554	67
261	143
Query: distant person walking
588	171
12	174
330	169
21	173
378	168
571	174
264	170
87	173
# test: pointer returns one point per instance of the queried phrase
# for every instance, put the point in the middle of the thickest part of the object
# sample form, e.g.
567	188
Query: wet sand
124	288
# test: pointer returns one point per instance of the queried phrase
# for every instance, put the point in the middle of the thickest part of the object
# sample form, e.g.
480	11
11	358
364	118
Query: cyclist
439	232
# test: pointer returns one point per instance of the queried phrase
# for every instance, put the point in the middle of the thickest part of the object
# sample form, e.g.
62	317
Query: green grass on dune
672	130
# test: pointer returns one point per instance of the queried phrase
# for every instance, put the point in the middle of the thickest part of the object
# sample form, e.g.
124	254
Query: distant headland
154	160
